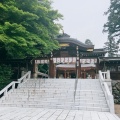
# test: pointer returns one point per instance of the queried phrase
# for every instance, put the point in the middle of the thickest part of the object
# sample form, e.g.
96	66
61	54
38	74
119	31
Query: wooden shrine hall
73	59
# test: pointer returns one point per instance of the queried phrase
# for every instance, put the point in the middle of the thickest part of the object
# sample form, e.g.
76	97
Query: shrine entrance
73	59
66	71
69	71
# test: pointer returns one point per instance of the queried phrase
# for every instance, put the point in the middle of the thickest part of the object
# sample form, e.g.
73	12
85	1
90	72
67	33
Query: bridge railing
104	77
11	86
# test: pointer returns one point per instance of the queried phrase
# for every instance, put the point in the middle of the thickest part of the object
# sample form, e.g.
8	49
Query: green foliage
28	28
5	75
113	28
43	68
113	24
88	42
111	47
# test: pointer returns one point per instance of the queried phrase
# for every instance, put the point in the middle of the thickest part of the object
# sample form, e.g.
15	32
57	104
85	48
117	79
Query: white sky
84	19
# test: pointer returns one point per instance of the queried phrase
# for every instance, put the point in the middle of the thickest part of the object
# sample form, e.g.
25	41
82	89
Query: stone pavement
16	113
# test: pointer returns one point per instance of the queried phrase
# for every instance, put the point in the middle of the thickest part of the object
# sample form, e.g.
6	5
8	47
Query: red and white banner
66	60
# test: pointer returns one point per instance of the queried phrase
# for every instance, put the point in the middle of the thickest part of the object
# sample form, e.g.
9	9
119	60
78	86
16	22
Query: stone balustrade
11	86
105	80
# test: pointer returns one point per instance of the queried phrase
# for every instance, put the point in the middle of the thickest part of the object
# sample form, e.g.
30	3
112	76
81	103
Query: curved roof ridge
66	38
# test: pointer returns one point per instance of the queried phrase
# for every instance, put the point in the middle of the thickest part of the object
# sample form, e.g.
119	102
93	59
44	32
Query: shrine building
73	59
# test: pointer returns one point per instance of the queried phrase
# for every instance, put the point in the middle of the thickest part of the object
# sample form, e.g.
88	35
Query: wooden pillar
55	71
79	69
78	64
65	74
33	68
97	66
51	67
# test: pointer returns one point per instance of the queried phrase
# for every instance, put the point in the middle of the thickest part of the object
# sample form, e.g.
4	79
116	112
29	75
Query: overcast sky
84	19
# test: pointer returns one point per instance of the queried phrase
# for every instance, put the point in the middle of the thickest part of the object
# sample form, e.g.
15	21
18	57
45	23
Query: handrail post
39	83
111	104
29	76
13	86
5	92
108	74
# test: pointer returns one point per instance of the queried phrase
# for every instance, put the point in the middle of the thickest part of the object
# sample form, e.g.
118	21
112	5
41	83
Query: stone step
53	87
57	83
64	81
56	99
97	100
55	93
42	91
101	109
38	99
45	103
47	83
58	94
64	90
89	96
89	91
60	89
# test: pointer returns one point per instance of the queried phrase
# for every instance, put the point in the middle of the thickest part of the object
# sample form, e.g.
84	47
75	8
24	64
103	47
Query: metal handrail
28	94
75	85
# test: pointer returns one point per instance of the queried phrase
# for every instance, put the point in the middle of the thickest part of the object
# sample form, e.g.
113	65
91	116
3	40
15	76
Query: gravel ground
117	110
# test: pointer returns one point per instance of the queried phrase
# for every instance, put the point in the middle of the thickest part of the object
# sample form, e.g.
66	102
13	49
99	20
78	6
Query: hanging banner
67	60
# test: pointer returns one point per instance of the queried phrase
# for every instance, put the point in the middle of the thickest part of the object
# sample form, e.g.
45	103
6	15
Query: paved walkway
12	113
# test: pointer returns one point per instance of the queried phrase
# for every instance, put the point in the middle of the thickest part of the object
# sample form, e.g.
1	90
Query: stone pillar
35	69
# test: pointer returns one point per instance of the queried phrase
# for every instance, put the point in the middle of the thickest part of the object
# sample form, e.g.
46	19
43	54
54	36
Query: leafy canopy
111	47
113	24
5	75
88	42
27	28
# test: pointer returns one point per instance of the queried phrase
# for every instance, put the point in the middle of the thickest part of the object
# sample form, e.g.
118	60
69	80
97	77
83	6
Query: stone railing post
108	74
29	76
13	86
111	104
107	88
5	92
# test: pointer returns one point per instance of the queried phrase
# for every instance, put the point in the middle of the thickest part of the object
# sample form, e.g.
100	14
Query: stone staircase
58	94
90	96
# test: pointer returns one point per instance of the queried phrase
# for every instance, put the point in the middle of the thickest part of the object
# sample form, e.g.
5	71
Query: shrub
5	75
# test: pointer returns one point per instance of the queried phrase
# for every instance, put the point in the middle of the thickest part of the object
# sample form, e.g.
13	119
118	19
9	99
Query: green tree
113	24
5	75
27	28
88	42
111	47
